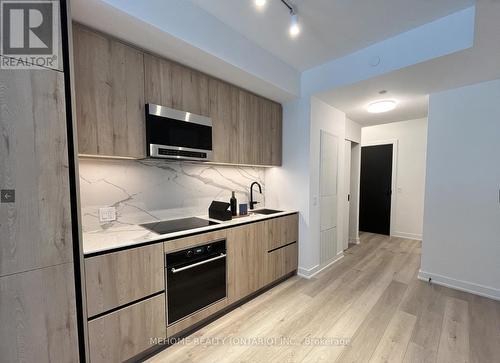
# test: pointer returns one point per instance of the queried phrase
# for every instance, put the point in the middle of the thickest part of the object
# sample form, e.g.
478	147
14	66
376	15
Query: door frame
394	143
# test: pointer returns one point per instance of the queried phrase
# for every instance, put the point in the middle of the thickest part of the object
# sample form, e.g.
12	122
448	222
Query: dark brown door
375	189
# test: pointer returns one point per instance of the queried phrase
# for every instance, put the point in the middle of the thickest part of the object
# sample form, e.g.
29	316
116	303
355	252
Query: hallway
367	307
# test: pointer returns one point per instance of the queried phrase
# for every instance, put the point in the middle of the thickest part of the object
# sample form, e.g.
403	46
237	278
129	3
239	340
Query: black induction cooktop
177	225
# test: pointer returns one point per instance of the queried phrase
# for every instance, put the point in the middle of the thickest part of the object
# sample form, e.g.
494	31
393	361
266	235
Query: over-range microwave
174	134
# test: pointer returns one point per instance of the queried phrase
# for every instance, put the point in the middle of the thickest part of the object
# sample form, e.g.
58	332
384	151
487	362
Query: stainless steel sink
266	211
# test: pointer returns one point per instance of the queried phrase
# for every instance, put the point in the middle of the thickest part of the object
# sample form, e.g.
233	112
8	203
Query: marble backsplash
148	190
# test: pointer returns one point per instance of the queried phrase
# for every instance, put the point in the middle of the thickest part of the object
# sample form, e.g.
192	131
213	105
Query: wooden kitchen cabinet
38	315
250	131
127	332
271	120
118	278
109	96
246	251
259	130
172	85
35	230
282	231
281	262
114	81
224	110
282	246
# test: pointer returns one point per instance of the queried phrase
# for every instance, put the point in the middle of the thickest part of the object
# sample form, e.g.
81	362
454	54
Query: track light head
260	3
294	25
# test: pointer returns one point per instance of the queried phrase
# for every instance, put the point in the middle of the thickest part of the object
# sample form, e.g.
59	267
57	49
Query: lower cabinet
281	262
246	251
282	231
260	253
118	278
127	332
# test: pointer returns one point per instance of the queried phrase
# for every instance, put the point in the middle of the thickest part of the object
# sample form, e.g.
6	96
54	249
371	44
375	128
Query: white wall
408	208
461	245
287	187
328	118
352	131
295	185
353	134
354	188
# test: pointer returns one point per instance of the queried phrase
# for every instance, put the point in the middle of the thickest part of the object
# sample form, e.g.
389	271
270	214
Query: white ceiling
412	85
330	28
353	101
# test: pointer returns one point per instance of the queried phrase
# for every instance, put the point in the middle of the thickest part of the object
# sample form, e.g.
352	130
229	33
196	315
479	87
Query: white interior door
328	189
347	193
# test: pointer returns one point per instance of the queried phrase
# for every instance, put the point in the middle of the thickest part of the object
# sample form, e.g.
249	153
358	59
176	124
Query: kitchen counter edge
95	248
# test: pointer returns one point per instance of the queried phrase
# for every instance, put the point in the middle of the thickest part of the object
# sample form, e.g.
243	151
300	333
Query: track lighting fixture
294	29
294	25
260	3
294	19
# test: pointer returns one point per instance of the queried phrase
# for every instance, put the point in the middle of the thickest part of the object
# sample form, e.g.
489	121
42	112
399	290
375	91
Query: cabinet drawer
198	239
122	277
281	262
122	334
282	231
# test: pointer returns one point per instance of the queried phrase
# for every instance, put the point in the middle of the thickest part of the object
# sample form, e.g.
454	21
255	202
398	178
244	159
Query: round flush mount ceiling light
381	106
294	25
260	3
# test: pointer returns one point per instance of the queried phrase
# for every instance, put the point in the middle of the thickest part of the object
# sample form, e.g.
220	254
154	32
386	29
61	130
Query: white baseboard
311	272
354	240
415	236
470	287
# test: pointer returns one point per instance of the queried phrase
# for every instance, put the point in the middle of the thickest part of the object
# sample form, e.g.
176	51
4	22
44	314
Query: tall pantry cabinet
38	309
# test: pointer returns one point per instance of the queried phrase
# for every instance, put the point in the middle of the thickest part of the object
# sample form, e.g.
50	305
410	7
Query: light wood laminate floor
368	307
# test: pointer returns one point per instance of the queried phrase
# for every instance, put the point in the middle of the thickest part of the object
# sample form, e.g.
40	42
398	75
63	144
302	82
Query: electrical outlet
107	214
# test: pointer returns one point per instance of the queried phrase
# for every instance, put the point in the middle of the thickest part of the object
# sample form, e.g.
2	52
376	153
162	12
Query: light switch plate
107	214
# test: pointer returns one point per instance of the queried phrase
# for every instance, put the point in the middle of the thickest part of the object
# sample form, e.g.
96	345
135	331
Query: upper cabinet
173	85
271	118
109	87
223	109
114	81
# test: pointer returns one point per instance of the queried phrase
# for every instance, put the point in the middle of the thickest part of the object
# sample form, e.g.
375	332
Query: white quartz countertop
130	235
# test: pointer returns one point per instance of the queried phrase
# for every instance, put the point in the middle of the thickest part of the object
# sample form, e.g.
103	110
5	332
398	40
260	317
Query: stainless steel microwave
174	134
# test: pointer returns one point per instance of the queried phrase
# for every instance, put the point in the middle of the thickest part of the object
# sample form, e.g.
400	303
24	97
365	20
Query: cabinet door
173	85
158	88
250	129
118	278
123	334
282	231
271	115
35	230
224	114
109	88
281	262
246	260
38	315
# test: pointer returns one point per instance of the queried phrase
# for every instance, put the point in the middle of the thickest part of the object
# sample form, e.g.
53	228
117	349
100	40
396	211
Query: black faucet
252	203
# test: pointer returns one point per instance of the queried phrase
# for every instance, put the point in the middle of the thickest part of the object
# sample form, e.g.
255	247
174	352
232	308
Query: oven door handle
175	270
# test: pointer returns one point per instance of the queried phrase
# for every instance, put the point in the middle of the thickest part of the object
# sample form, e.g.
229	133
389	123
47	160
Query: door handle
175	270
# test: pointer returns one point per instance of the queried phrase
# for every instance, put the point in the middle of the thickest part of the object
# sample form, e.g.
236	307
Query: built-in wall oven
196	278
174	134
